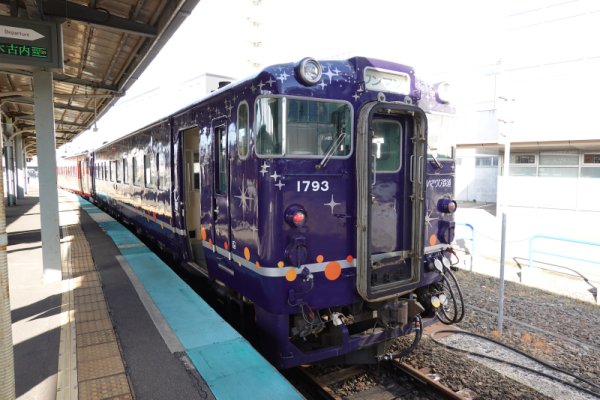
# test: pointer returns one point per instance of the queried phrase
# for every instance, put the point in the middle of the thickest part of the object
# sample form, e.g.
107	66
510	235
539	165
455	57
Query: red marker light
299	218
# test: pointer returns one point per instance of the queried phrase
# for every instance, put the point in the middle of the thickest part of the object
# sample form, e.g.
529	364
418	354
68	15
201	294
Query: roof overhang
107	45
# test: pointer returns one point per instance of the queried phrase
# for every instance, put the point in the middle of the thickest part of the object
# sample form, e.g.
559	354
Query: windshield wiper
330	150
437	163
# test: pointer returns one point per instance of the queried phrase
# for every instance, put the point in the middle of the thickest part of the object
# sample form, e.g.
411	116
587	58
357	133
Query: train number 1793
315	186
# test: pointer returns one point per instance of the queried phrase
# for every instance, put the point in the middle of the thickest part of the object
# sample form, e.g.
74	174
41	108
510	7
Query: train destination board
30	44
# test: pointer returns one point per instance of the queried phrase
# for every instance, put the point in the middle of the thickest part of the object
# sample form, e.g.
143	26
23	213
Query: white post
7	369
20	160
46	152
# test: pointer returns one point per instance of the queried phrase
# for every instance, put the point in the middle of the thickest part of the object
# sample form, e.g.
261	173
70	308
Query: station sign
30	44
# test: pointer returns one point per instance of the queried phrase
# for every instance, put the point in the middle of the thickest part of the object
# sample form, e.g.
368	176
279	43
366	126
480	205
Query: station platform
120	324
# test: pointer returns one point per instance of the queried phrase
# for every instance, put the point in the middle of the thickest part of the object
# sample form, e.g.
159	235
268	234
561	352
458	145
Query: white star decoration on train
332	204
280	185
356	96
283	77
428	218
331	74
275	176
271	81
264	168
244	198
260	86
322	84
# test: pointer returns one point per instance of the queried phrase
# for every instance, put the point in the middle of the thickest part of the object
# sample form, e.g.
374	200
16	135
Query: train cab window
163	181
243	130
268	126
317	128
125	171
312	128
386	145
149	170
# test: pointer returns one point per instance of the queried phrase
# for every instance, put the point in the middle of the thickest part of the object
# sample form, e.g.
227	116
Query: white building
551	68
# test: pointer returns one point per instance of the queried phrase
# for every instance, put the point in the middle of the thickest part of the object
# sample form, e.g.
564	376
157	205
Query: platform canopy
107	45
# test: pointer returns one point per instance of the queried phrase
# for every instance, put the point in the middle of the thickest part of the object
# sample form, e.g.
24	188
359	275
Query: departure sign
30	44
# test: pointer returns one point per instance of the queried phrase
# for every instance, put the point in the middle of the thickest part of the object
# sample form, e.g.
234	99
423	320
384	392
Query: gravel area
558	330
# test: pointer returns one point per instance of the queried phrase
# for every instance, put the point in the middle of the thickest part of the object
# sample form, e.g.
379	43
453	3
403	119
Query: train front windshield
311	129
439	135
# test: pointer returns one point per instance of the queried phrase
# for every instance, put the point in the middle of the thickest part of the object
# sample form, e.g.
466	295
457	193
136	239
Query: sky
439	38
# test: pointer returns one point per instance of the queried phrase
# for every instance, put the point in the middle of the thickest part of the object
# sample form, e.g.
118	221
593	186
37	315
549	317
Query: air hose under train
403	353
457	303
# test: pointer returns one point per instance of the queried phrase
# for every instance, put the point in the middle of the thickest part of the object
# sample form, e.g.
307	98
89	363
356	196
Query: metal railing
472	239
532	250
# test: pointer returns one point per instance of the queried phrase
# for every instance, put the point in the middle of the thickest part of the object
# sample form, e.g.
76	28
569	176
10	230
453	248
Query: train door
221	216
391	147
191	182
80	177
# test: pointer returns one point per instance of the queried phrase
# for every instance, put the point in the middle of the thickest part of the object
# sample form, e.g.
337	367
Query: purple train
306	192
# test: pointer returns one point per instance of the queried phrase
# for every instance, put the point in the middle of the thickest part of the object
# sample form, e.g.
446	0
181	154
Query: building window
559	165
591	158
489	161
522	159
522	165
591	165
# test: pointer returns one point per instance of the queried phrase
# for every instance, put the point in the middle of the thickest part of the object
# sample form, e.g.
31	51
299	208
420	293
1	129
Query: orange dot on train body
203	233
226	245
247	253
333	270
257	264
280	264
349	259
291	275
432	240
320	258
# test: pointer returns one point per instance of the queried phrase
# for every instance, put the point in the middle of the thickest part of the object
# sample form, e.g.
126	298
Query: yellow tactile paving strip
100	368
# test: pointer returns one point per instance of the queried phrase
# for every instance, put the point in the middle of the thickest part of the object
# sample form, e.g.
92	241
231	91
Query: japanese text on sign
23	50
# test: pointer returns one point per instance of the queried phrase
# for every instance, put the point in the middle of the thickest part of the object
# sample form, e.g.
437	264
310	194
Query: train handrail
472	239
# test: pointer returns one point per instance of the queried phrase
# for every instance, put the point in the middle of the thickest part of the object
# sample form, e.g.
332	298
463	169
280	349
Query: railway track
395	380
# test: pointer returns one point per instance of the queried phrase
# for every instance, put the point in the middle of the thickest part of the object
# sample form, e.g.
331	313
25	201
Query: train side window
118	171
221	164
243	130
162	171
149	170
125	171
268	126
111	170
137	171
196	171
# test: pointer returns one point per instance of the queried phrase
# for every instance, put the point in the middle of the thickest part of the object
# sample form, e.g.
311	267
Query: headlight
443	92
309	71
